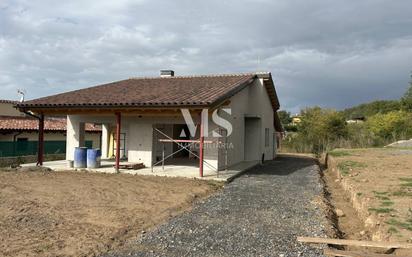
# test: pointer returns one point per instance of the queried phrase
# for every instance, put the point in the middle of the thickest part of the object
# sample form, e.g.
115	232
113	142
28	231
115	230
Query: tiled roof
189	91
29	124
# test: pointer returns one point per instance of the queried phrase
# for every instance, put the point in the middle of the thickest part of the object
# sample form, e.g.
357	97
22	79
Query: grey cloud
328	53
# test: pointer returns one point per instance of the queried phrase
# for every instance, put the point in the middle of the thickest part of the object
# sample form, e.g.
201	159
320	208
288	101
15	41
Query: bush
318	131
407	98
391	126
322	130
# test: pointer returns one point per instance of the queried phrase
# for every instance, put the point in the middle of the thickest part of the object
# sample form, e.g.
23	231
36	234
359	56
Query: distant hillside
372	108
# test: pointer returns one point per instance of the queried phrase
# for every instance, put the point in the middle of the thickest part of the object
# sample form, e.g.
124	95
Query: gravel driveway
258	214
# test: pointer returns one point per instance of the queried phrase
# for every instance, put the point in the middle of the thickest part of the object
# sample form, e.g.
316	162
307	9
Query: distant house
142	118
296	120
357	119
19	133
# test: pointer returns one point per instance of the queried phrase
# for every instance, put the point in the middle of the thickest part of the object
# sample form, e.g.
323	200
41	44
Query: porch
173	168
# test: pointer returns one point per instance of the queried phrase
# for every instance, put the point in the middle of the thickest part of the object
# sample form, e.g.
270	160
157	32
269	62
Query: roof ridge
202	76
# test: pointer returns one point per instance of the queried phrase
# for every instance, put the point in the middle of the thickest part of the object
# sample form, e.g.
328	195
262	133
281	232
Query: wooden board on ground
131	166
340	253
332	241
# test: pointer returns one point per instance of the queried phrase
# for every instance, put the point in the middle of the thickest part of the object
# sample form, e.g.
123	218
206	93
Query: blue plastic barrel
93	158
80	156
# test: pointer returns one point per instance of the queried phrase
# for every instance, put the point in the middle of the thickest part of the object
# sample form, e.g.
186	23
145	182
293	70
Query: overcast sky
328	53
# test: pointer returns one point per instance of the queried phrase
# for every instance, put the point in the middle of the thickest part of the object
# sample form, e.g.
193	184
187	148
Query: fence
26	148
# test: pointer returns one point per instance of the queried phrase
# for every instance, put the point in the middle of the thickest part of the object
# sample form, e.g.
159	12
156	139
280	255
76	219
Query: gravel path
258	214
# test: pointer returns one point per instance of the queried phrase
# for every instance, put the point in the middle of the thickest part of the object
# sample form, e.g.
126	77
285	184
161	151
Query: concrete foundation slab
186	170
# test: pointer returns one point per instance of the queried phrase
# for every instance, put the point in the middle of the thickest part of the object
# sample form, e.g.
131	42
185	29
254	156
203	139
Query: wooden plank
131	166
340	253
332	241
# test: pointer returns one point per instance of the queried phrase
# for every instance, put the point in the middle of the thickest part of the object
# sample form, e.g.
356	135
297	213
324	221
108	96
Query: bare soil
85	214
373	189
349	225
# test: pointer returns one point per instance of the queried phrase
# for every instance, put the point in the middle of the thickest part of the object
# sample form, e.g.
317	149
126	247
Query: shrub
391	126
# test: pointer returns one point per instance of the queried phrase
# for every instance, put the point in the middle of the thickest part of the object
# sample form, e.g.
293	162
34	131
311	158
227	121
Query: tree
321	129
369	109
284	117
391	126
407	98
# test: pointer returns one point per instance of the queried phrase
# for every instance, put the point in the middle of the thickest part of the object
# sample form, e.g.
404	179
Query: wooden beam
340	253
332	241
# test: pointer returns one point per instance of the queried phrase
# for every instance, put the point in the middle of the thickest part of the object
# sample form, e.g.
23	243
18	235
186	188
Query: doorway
252	139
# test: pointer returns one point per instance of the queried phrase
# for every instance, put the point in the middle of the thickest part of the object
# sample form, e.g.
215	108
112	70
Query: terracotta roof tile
28	123
188	91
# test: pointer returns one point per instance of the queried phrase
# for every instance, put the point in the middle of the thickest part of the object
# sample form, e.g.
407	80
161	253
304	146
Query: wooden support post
40	143
201	142
118	129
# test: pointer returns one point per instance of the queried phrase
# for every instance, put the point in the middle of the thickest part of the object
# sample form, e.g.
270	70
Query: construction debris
131	166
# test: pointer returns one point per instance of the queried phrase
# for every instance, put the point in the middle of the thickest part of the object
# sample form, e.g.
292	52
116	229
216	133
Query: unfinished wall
252	102
260	104
140	143
157	146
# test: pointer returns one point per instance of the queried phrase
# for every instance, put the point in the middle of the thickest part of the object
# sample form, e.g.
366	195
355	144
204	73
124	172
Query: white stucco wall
140	143
253	101
260	103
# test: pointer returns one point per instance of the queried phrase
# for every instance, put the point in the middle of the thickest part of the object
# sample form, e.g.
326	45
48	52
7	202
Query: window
266	137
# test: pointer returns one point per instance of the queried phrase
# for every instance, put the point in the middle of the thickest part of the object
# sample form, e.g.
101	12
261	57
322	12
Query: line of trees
321	130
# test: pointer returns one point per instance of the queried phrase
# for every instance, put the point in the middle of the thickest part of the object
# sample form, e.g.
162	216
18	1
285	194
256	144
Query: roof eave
232	92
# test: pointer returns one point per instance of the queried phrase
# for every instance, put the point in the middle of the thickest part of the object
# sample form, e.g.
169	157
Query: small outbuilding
211	121
19	133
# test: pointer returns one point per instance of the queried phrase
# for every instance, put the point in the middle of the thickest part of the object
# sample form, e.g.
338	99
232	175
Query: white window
266	137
